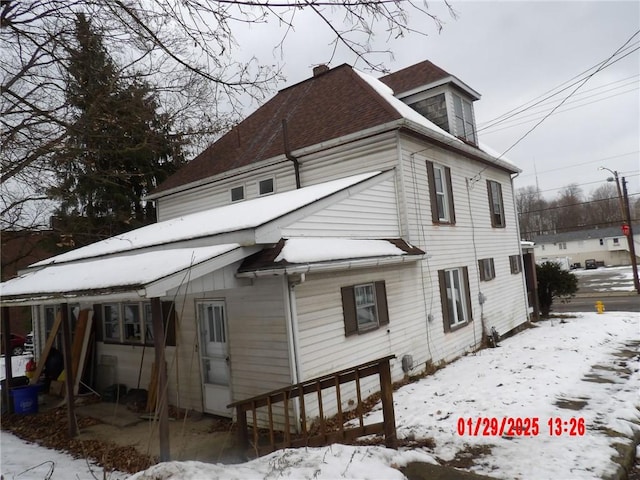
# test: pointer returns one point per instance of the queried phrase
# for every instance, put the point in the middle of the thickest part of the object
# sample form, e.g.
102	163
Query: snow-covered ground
606	279
532	375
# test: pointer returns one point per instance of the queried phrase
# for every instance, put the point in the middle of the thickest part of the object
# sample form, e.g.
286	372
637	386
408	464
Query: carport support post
8	369
161	396
68	368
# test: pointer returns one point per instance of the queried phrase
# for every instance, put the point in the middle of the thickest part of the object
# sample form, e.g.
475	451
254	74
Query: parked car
17	344
590	264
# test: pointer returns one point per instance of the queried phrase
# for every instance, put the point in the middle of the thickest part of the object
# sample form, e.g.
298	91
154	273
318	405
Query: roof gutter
334	266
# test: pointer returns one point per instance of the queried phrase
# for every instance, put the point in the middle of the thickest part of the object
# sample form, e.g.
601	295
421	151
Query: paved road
626	303
613	286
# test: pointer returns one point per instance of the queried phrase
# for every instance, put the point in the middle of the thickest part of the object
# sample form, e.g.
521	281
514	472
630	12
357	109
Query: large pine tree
118	146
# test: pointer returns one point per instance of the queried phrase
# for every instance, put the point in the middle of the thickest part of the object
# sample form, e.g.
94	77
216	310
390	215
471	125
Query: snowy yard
583	372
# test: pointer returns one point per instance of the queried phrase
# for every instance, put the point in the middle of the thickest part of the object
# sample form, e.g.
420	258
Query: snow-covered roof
296	255
230	218
132	272
402	108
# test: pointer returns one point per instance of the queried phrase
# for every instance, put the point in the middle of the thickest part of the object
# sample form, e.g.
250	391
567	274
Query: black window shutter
349	311
97	321
381	303
446	315
432	193
452	210
169	322
465	272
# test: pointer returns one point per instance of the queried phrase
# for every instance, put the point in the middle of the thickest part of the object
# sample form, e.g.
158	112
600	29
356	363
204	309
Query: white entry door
214	357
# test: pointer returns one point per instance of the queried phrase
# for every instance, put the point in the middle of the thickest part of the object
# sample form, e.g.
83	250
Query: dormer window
463	112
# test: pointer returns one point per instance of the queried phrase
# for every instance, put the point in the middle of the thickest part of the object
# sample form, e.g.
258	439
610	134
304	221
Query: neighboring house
606	245
333	226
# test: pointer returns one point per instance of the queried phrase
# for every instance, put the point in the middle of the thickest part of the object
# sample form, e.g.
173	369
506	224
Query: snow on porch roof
124	273
230	218
290	255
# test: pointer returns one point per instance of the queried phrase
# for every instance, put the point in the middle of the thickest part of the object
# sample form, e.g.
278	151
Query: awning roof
148	274
297	255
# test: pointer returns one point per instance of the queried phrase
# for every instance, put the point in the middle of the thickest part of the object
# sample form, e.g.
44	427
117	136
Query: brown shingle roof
331	105
415	76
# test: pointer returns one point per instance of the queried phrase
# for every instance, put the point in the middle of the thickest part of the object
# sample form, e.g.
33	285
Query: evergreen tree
554	282
118	148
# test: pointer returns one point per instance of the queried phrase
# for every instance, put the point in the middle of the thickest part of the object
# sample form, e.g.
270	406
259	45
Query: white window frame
460	297
365	301
442	194
236	188
107	320
273	186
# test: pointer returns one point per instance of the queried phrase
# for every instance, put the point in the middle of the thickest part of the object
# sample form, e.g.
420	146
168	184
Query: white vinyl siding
374	153
372	213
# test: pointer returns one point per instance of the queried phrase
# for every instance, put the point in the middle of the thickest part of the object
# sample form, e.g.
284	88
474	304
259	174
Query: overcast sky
512	53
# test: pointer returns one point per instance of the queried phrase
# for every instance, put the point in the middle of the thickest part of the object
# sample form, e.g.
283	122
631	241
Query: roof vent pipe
320	69
288	154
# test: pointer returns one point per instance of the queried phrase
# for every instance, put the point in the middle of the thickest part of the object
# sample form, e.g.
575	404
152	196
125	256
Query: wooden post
163	403
243	434
386	397
8	368
68	369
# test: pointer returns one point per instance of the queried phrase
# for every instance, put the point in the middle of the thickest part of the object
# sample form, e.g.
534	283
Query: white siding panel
367	155
369	214
463	244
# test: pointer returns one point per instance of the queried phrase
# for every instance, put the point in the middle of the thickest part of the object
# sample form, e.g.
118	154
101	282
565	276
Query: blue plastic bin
25	399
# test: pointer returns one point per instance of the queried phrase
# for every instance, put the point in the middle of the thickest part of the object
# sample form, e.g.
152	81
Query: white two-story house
348	218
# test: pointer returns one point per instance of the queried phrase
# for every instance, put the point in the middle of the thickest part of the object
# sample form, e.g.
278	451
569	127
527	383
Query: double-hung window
364	307
496	205
463	111
455	297
515	263
487	269
440	193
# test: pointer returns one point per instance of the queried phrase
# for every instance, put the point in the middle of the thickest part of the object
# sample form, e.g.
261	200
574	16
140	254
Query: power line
525	106
587	183
577	204
494	130
602	66
583	163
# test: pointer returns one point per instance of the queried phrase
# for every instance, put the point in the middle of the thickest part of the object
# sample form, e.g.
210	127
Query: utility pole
627	228
629	235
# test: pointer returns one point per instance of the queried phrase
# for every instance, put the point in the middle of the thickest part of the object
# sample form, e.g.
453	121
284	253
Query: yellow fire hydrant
600	306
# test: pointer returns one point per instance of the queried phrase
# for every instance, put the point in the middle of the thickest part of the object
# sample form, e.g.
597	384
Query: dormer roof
424	76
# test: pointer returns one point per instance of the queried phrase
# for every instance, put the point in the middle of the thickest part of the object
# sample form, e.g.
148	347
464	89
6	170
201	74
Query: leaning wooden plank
47	348
80	362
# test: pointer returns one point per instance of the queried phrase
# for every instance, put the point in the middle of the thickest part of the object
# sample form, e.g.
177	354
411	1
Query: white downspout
292	335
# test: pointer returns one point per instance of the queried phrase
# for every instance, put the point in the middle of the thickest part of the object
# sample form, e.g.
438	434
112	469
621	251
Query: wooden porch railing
319	434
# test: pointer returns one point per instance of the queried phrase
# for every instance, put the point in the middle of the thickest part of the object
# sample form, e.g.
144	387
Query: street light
617	180
627	228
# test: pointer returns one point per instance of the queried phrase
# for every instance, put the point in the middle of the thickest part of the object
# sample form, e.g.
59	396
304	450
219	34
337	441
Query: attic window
266	187
237	193
463	111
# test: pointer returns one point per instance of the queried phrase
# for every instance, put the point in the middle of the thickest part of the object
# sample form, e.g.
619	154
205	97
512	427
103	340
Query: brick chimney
320	69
